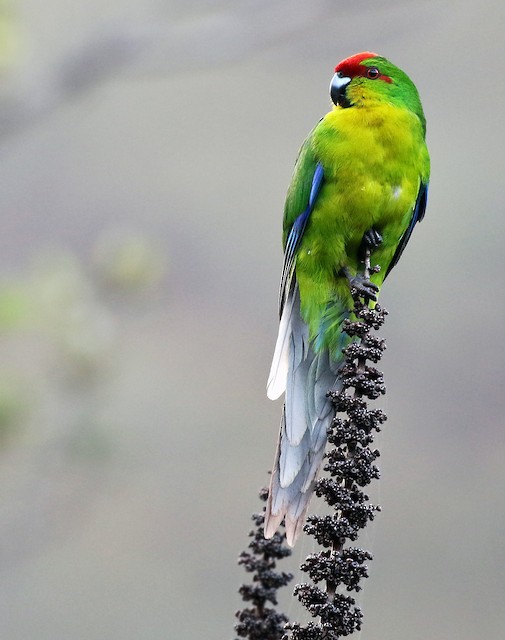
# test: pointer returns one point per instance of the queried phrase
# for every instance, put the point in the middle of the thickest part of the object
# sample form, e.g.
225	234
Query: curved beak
338	88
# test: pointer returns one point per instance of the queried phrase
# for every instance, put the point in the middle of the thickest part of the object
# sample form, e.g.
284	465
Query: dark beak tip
339	97
338	94
335	95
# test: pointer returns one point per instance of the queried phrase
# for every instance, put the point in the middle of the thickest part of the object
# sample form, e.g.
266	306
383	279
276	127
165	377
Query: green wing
299	190
417	216
302	194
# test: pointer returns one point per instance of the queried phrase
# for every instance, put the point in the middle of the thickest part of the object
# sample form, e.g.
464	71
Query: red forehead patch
354	61
352	66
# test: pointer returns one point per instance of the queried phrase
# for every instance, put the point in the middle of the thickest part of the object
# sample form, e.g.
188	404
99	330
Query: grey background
146	148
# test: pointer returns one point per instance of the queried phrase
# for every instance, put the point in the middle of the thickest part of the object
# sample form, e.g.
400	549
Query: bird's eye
373	73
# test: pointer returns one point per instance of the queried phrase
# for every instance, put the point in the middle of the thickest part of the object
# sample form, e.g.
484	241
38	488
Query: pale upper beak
338	86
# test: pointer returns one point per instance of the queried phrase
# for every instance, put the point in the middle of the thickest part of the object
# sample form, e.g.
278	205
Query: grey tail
306	416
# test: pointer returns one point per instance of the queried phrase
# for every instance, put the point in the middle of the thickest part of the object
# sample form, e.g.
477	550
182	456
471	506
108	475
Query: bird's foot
372	240
364	287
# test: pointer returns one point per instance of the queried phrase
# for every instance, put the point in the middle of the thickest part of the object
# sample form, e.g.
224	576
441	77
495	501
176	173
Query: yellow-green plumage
371	153
373	161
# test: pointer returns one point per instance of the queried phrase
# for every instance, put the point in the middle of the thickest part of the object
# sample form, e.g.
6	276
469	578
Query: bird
360	183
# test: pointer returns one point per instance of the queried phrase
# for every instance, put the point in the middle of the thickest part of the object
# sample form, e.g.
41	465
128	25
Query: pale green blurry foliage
67	312
8	34
12	407
13	306
59	354
128	263
57	331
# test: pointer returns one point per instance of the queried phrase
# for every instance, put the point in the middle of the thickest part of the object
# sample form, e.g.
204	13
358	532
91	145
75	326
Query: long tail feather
306	417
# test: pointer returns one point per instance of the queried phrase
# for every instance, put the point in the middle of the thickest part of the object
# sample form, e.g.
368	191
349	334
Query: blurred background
145	151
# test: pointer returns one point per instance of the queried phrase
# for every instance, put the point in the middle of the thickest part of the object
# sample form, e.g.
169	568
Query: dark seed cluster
350	466
261	622
347	566
339	616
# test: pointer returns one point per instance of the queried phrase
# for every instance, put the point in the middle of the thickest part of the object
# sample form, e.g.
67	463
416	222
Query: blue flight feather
295	236
317	181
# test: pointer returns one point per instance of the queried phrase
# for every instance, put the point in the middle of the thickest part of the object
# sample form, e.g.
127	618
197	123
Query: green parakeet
360	181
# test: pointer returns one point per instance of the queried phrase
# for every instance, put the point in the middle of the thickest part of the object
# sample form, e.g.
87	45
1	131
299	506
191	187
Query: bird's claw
364	287
372	240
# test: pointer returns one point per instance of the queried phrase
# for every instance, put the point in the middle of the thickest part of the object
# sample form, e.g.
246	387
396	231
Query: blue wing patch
317	181
295	236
